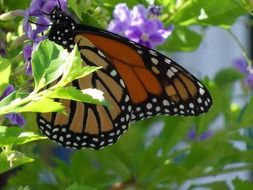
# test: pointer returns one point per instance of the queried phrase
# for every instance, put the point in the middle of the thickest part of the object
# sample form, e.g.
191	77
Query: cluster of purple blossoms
39	9
242	65
14	118
140	24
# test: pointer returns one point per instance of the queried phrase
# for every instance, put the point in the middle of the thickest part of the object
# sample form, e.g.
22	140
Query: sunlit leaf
47	63
71	93
5	70
39	106
11	159
16	136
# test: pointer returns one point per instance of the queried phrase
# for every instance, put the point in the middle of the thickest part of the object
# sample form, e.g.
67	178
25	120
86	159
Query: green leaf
89	20
246	116
227	77
71	93
16	136
78	8
12	159
242	184
5	70
81	8
39	106
214	185
75	186
47	63
182	39
113	3
74	68
81	72
204	12
223	15
74	63
12	5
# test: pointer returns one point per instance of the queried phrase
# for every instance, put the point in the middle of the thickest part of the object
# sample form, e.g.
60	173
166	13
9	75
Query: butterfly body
137	81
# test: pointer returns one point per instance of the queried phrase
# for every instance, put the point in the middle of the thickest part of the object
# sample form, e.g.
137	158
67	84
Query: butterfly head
57	16
62	28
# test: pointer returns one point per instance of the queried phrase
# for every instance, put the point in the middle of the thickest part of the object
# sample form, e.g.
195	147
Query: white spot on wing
154	60
181	106
201	91
149	106
47	133
100	53
167	61
191	105
122	83
174	69
113	73
61	138
48	126
157	108
152	52
42	121
200	84
95	139
170	73
126	98
166	102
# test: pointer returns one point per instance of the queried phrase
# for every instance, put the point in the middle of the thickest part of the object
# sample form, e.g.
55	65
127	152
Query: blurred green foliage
155	153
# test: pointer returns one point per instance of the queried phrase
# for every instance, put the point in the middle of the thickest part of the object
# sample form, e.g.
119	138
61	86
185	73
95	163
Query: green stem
11	107
18	103
244	51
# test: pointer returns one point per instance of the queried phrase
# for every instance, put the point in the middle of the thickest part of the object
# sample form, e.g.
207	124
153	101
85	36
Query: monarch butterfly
137	81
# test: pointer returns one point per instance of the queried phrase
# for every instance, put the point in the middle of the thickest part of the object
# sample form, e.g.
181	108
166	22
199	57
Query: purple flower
121	15
192	135
154	10
249	80
205	135
9	89
27	52
139	24
38	7
242	65
14	118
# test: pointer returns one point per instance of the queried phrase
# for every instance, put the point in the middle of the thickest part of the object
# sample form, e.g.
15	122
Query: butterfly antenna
59	3
39	23
44	13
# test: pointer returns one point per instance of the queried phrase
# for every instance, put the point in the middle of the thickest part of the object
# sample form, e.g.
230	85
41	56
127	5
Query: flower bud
11	15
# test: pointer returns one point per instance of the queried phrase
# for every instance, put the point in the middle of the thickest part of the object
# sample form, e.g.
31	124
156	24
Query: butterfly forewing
155	83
